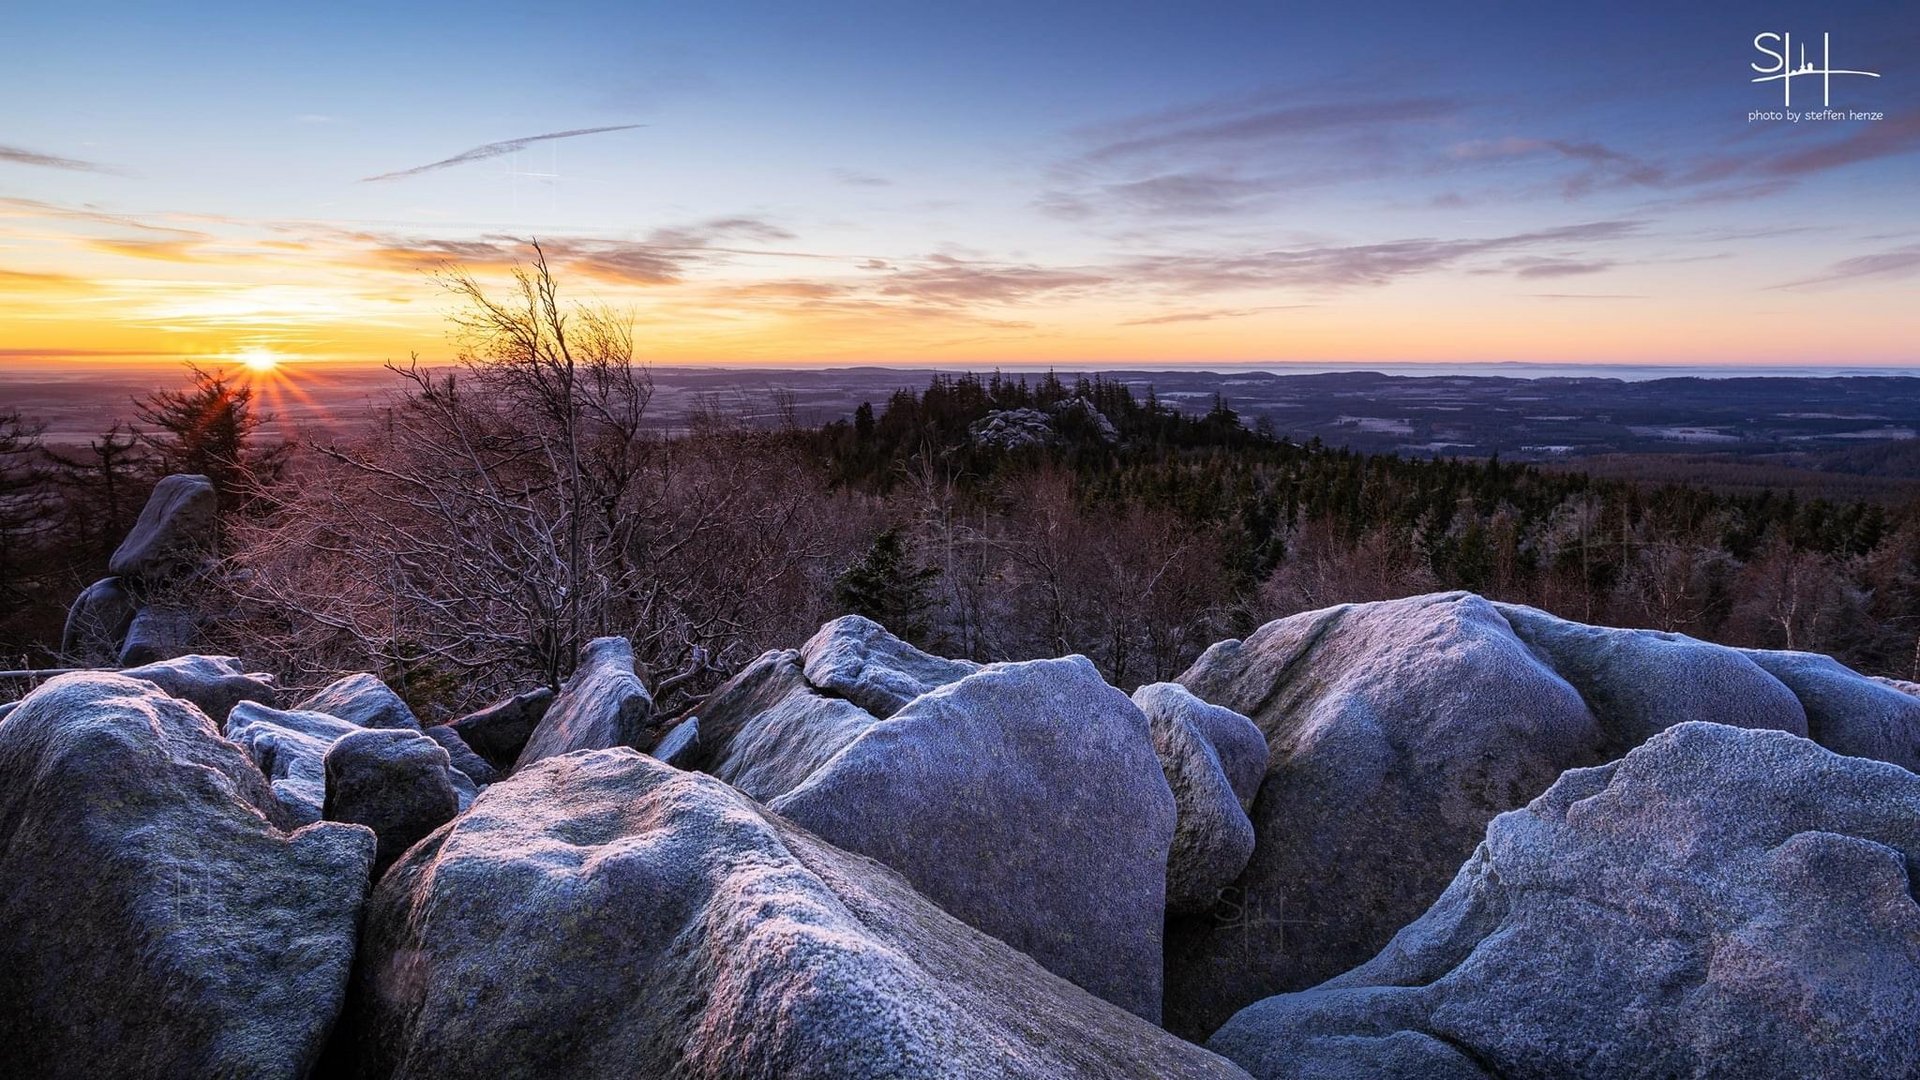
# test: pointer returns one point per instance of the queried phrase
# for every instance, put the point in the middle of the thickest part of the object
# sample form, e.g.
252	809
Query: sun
256	358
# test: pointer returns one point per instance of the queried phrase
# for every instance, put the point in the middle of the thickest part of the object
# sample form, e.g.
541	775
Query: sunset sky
977	183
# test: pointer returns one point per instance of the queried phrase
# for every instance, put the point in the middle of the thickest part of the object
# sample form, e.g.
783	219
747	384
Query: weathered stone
153	920
605	915
364	701
500	731
1639	682
176	533
680	745
461	756
1212	838
1026	800
97	622
1847	712
393	781
1398	730
766	730
290	749
855	658
158	632
1722	902
215	683
602	705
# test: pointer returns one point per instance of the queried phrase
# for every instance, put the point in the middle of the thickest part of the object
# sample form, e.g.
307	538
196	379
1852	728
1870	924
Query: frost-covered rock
1013	429
214	683
1846	713
857	659
176	532
767	729
1212	837
396	782
606	915
1722	902
363	701
1026	800
1398	730
154	921
289	747
602	705
1640	682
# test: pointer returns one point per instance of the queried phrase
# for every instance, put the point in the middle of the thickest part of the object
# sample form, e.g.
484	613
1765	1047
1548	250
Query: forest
509	506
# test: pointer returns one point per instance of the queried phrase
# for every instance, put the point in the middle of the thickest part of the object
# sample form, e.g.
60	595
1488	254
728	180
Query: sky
968	184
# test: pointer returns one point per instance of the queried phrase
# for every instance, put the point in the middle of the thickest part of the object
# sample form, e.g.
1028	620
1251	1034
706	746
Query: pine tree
887	587
209	428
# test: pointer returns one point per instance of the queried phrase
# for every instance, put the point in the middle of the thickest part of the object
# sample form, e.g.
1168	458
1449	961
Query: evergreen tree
887	587
209	428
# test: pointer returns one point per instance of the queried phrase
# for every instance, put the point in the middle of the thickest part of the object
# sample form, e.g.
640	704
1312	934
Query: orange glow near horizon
258	297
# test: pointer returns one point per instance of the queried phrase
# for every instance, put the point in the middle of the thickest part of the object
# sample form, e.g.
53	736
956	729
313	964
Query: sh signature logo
1785	70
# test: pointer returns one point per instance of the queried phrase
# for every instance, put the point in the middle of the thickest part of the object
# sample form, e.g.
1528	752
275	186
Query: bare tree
508	509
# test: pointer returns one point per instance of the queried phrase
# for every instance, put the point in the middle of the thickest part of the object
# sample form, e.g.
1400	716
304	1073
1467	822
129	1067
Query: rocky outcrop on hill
154	919
618	917
1013	429
1719	903
602	705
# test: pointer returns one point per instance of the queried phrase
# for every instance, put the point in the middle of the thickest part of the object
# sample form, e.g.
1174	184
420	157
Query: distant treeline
984	517
1287	527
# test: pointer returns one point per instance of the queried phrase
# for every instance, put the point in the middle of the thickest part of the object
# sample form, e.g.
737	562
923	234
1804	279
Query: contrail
495	149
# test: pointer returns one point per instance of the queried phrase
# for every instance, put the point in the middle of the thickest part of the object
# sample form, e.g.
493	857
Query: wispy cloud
1342	266
856	178
943	279
495	149
664	257
1897	263
1233	155
1257	121
1210	315
21	156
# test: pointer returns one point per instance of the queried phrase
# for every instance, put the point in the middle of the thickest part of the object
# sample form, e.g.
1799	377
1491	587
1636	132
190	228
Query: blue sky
986	182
